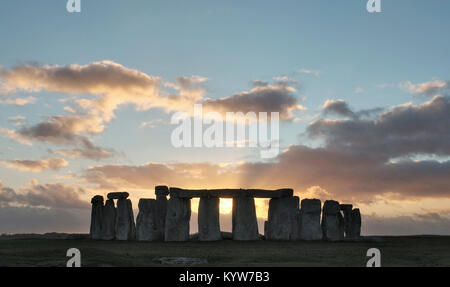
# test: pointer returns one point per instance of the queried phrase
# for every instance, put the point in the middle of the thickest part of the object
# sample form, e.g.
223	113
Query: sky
86	101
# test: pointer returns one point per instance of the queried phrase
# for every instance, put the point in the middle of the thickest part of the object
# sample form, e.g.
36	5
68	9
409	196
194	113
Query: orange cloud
36	165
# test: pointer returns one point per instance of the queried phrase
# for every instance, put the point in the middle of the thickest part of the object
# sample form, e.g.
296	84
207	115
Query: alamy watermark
373	6
375	257
236	130
73	6
75	257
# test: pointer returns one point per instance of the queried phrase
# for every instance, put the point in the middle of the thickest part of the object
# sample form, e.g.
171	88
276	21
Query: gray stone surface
309	218
283	219
177	219
109	220
356	224
118	195
332	221
245	226
147	227
230	193
125	227
347	212
160	214
96	217
208	219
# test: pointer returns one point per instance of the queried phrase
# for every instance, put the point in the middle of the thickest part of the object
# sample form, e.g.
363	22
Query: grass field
395	251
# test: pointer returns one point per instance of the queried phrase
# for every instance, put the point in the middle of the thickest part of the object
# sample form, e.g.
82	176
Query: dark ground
395	251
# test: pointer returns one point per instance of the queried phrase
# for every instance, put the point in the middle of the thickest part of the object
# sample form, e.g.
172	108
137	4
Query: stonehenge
355	224
208	219
332	221
309	218
125	227
177	219
283	219
96	217
162	219
109	220
147	228
244	223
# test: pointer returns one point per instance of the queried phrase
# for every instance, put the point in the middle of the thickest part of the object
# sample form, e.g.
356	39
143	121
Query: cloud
7	194
426	88
117	177
50	195
359	90
151	124
338	107
309	72
341	108
402	130
359	160
87	150
111	83
15	136
18	120
344	176
36	165
263	97
64	130
98	89
18	101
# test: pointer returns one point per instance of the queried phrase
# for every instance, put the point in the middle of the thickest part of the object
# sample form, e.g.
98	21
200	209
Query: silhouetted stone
332	221
356	224
118	195
208	219
161	208
282	223
347	211
96	217
177	219
161	190
310	228
230	193
245	226
109	220
147	227
125	227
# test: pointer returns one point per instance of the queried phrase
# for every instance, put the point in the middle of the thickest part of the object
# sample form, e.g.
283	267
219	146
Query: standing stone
332	221
177	219
125	227
208	219
282	223
147	228
245	226
161	209
356	224
109	220
347	211
310	228
96	217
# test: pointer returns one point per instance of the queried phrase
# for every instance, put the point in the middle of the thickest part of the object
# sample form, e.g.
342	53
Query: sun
226	205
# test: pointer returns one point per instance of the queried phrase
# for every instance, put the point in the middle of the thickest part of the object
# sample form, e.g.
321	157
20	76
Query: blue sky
352	55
